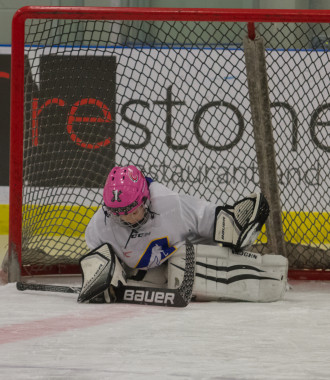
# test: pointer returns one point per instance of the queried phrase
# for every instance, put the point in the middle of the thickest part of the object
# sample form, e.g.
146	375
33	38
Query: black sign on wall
71	122
5	118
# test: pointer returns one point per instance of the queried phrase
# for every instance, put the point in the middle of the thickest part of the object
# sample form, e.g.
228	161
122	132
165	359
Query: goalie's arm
198	216
93	228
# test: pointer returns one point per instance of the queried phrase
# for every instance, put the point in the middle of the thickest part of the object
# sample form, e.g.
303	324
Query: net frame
249	16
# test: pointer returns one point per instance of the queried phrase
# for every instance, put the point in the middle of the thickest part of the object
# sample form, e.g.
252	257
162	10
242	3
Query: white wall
9	7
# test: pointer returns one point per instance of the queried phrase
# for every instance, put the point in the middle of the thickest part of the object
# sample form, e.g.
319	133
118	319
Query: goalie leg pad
101	270
224	275
153	277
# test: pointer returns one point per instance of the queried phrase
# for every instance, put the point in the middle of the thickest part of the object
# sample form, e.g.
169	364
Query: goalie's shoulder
158	190
97	229
97	217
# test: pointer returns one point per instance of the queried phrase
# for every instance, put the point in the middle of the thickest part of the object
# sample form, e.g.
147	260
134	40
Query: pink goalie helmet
125	190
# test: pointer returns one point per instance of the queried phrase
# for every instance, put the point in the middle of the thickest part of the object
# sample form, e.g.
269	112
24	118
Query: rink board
307	228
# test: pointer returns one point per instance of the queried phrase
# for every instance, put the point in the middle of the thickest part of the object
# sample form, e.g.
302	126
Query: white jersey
176	217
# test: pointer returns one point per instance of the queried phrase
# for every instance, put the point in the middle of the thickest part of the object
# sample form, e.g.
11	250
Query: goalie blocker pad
238	226
101	270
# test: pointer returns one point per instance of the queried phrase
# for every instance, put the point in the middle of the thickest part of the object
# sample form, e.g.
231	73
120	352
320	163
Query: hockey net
214	103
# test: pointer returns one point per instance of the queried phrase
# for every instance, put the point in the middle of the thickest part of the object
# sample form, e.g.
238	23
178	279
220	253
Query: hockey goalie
138	238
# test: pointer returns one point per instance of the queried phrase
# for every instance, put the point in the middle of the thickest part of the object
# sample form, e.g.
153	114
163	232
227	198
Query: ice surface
50	336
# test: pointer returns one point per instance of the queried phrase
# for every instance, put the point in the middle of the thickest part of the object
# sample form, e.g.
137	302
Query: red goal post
187	85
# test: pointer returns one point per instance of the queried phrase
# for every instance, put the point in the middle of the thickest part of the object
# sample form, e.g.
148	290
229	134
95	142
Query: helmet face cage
115	217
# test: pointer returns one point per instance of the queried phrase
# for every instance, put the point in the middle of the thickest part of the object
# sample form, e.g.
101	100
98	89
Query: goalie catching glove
238	226
101	272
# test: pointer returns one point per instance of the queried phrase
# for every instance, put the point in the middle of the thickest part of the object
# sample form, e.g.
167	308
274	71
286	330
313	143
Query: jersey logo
132	177
139	234
157	251
116	194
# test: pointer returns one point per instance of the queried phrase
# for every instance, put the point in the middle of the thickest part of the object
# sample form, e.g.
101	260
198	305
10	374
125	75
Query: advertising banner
187	126
66	118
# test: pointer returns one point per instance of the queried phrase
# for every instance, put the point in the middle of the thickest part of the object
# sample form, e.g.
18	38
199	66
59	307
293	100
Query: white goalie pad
225	275
238	226
154	277
101	269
